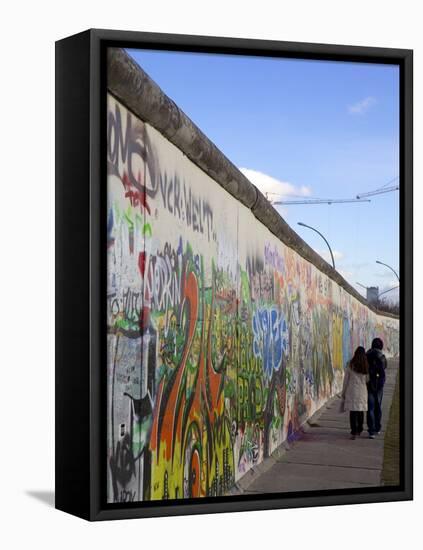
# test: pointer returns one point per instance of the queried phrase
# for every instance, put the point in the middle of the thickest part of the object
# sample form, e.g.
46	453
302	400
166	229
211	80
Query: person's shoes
352	437
371	436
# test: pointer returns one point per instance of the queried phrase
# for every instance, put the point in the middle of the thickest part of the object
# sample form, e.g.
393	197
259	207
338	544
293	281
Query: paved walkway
325	457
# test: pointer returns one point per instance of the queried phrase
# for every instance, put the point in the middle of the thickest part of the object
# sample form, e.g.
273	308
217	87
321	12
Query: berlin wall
224	335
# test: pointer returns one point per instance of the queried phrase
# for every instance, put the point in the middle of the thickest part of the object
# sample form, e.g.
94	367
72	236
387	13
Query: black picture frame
81	271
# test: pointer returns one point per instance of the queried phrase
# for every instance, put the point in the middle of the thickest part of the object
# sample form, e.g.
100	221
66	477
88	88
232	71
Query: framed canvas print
232	221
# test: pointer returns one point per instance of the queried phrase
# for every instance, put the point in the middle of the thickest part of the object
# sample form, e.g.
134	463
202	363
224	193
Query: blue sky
316	128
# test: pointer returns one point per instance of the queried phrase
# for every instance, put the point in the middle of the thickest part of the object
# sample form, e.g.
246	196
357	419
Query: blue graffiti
346	339
270	338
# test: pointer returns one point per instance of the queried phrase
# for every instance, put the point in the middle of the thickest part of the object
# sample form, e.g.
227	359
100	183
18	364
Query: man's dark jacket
377	366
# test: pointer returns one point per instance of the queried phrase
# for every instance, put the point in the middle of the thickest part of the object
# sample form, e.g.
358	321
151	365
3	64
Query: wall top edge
132	86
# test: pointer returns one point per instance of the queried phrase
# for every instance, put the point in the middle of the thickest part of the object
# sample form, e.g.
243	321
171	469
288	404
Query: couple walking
363	389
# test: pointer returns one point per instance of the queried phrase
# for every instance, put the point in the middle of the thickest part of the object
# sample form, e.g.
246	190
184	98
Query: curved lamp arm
318	232
389	267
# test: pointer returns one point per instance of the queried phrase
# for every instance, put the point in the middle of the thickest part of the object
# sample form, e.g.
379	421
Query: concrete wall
222	340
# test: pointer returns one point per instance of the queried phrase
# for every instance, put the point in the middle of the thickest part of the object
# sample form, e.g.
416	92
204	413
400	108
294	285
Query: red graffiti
136	197
141	263
174	412
167	417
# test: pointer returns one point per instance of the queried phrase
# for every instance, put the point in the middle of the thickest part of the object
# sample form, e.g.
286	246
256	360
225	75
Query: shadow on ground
325	458
46	497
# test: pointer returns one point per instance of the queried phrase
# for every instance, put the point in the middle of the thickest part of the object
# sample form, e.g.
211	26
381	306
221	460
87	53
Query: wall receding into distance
222	340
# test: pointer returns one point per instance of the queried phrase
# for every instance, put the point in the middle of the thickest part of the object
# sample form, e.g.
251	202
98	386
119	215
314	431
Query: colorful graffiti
270	338
221	340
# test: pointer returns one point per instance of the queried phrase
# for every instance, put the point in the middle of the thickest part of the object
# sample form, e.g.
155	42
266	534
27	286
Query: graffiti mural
222	341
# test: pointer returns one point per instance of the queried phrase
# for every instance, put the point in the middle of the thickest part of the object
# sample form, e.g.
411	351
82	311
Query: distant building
373	294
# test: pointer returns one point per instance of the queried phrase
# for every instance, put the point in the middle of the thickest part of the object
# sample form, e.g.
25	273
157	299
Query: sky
306	129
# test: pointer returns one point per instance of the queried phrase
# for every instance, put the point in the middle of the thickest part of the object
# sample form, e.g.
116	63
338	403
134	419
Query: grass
391	453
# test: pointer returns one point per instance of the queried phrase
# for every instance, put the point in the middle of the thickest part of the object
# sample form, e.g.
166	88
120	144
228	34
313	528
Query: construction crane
319	201
361	197
379	191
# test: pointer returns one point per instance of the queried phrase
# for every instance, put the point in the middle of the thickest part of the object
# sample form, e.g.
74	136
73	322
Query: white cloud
356	266
275	188
386	274
346	274
326	255
392	283
362	106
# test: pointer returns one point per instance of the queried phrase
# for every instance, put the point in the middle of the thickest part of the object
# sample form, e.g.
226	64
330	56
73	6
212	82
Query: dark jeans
374	411
356	422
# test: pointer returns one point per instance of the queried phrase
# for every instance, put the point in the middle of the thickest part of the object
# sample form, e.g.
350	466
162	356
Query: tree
384	304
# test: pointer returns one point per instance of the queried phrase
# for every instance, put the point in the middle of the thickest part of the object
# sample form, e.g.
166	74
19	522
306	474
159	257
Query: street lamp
359	284
389	290
318	232
389	267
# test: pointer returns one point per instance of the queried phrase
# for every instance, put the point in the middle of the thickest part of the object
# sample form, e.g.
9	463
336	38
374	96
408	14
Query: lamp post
357	283
318	232
381	305
389	290
389	267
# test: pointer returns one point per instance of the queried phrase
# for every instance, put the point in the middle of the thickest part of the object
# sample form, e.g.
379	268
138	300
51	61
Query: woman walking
354	391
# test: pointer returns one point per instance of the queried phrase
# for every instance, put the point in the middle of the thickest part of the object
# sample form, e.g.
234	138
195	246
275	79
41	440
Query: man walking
377	366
